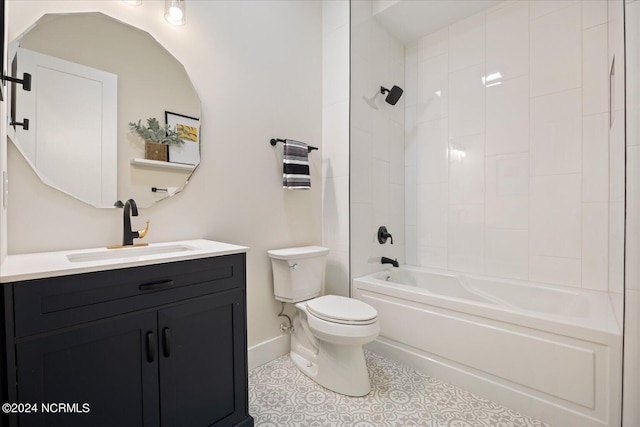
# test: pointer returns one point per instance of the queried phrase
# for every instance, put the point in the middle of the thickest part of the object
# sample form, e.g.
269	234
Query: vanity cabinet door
109	365
202	361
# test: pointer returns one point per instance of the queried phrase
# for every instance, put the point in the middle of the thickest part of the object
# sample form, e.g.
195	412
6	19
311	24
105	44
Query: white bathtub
551	352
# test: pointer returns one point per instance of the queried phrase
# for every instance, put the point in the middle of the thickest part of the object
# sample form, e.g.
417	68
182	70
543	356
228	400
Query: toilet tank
298	273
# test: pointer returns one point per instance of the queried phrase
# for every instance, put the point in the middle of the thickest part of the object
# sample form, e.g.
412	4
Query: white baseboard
266	351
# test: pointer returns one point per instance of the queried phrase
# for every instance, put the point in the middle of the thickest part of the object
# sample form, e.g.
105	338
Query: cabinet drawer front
47	304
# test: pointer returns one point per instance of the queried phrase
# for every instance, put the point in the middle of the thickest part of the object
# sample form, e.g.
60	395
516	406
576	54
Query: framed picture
189	130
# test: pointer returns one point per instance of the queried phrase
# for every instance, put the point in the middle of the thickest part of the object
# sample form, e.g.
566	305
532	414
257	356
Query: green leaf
155	132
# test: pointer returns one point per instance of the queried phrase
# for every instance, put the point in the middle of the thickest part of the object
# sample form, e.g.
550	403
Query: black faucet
383	235
130	208
385	260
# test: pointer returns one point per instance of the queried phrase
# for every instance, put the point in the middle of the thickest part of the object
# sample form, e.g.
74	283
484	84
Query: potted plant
157	138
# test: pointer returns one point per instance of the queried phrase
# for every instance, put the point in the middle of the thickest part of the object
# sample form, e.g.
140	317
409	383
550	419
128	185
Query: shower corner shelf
161	165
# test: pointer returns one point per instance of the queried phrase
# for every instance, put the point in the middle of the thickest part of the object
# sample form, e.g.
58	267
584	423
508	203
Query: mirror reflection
92	75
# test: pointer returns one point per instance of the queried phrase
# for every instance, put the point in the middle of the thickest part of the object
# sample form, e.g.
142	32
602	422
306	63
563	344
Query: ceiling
409	20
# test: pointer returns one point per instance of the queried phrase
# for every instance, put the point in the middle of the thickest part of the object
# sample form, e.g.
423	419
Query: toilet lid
342	309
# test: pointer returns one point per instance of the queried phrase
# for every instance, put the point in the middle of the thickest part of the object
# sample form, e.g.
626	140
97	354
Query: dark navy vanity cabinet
156	345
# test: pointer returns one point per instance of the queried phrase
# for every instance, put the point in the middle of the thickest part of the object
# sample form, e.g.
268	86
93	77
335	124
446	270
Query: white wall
509	176
257	67
377	142
3	151
616	121
335	143
631	409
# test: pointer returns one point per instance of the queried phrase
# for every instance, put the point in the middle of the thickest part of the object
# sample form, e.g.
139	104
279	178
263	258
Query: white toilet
328	331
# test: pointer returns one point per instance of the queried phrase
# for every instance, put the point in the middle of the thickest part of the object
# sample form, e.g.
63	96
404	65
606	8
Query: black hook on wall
24	123
25	81
26	85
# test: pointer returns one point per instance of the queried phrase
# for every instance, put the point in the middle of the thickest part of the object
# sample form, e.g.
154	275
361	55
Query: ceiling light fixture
174	11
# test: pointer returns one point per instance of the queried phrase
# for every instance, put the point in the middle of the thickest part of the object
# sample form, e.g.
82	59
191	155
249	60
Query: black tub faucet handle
383	235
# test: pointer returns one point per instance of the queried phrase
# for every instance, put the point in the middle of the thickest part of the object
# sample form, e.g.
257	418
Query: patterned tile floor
281	396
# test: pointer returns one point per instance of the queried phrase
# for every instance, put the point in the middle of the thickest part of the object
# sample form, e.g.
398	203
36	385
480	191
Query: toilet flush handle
294	266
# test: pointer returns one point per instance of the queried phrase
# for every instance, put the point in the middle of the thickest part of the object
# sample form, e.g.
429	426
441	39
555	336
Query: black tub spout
385	260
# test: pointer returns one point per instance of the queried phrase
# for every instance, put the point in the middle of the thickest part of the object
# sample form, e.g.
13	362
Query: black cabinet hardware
166	342
151	347
156	285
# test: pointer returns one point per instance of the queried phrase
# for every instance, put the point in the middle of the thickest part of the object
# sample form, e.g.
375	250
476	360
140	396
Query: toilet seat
342	310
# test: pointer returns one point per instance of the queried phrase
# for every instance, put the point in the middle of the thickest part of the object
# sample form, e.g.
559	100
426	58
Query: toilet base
339	368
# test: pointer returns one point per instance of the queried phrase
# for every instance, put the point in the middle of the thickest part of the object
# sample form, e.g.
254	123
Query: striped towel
295	169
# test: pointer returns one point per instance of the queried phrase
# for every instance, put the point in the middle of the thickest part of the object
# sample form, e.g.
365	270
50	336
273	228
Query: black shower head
394	94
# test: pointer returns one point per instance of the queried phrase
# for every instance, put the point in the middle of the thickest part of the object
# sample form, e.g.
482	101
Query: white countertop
50	264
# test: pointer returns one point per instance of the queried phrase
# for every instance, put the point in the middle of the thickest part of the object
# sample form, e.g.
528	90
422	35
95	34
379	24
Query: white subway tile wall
507	154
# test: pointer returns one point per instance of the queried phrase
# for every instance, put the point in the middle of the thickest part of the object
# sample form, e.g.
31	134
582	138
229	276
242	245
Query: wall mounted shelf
161	165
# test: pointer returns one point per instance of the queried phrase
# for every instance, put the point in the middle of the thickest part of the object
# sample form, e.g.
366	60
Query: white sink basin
127	253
